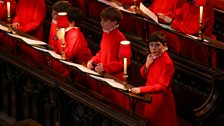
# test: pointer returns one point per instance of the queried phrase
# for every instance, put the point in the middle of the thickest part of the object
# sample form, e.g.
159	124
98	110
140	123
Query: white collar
107	31
69	28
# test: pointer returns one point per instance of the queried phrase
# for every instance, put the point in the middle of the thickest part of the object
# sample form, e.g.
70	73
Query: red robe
52	36
161	111
186	20
76	49
165	6
3	9
112	64
31	14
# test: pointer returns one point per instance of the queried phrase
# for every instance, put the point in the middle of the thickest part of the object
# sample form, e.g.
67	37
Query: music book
111	82
55	55
113	4
28	40
148	12
3	28
81	67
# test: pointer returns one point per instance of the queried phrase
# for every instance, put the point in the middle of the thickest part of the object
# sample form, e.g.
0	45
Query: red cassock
3	9
76	49
31	14
162	110
186	20
165	6
112	64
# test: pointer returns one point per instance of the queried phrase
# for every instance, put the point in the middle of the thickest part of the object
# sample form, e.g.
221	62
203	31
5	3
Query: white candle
201	14
8	9
125	66
63	35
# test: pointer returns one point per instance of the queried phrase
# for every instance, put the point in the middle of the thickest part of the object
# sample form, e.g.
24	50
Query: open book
153	16
149	13
111	82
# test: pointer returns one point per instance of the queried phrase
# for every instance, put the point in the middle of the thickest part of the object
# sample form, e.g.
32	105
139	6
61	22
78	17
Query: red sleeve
38	17
76	47
142	73
163	82
96	58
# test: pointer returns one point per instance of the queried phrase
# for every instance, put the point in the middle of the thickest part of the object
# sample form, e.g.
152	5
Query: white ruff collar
107	31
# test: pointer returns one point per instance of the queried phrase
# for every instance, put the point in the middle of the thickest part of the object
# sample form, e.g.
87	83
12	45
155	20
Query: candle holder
8	21
125	53
62	22
200	3
200	24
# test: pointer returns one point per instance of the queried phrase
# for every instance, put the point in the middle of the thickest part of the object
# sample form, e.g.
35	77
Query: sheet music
149	13
111	82
3	28
41	49
81	67
55	55
112	4
28	41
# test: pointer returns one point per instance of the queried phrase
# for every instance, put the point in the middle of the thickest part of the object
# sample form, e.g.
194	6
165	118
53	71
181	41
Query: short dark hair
61	6
111	13
75	14
158	37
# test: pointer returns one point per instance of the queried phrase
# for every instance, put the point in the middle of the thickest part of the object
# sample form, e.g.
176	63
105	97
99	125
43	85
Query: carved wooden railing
33	90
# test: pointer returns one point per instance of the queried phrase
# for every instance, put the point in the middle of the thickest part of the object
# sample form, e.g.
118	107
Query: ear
72	24
114	22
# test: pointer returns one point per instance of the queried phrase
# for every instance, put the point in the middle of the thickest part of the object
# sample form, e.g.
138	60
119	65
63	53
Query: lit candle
201	14
8	9
125	66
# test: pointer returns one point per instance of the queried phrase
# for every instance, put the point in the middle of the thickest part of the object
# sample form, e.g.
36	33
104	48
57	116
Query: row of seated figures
134	25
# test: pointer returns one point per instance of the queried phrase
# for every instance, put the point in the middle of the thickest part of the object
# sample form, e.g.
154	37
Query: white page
28	41
112	4
111	82
3	28
41	49
149	13
55	55
81	67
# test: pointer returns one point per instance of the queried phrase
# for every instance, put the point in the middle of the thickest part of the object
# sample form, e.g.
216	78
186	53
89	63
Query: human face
107	24
54	15
156	48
